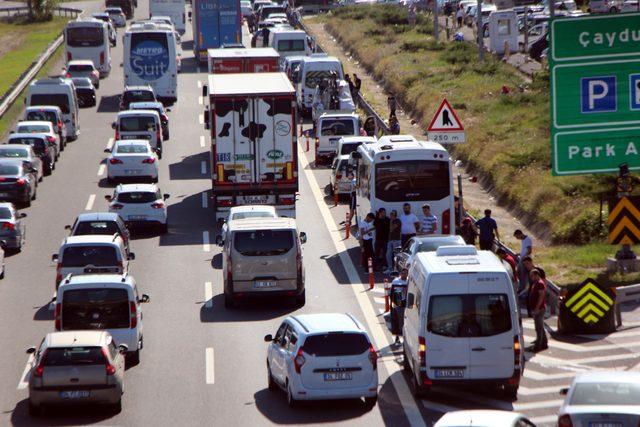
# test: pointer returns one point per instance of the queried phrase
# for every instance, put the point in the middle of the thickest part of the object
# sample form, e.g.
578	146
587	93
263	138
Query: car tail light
101	58
422	351
157	205
158	136
517	352
95	73
164	118
446	222
68	75
150	160
317	143
299	360
117	206
373	357
69	56
21	181
8	226
115	161
58	317
111	370
134	315
40	368
225	202
565	421
59	126
117	138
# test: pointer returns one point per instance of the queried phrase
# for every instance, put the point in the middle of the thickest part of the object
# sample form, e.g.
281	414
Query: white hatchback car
140	205
322	356
42	127
132	159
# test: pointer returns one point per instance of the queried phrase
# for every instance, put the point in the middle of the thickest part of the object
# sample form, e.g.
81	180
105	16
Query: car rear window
96	227
37	143
13	152
5	213
74	356
137	124
9	170
95	309
60	100
349	148
33	129
82	83
263	242
244	215
45	116
130	149
337	127
138	95
336	344
470	315
81	67
80	256
606	394
138	197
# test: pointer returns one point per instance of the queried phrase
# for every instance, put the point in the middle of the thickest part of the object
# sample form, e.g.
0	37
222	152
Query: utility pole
480	32
436	29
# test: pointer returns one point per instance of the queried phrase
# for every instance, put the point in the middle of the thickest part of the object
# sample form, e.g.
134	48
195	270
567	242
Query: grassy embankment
508	135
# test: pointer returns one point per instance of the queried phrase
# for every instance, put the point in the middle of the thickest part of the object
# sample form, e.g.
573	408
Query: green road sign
595	93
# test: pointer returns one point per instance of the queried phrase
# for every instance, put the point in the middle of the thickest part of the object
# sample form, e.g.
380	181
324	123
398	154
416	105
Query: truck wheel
34	410
301	299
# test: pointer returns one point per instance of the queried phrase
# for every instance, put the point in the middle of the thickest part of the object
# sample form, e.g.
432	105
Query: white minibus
89	39
59	92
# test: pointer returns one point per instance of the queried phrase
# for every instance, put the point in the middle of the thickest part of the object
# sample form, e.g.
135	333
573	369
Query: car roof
35	122
97	216
91	238
478	417
7	205
608	376
249	224
97	279
251	208
126	188
76	338
26	135
121	142
470	260
138	113
445	238
327	322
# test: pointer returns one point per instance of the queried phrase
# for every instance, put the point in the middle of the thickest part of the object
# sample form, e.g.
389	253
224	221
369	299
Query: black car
136	94
17	182
85	91
40	146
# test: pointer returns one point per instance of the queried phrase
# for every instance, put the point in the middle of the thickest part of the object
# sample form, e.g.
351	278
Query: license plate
338	376
136	217
4	194
263	284
449	373
132	171
75	394
604	424
255	200
90	270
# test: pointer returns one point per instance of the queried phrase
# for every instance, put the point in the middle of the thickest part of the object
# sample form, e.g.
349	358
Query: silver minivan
140	124
263	257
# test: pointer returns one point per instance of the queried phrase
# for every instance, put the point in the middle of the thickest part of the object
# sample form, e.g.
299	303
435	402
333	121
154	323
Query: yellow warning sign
590	303
624	221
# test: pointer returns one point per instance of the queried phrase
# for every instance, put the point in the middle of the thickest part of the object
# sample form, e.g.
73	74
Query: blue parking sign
634	91
598	94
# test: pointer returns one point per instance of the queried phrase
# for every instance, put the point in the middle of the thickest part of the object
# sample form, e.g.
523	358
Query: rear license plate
449	373
75	394
91	270
4	194
136	217
132	171
264	284
604	424
338	376
255	200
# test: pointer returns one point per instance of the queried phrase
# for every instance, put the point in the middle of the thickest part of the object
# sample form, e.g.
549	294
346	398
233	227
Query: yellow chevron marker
623	203
590	303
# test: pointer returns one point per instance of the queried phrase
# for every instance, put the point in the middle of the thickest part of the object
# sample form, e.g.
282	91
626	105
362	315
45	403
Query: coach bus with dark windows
89	39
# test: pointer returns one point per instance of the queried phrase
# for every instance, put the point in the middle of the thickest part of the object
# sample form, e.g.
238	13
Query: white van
88	38
140	124
330	127
289	42
461	323
313	69
107	302
60	92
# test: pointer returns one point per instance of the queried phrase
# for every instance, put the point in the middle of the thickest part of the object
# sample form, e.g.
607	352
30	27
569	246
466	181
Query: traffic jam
313	214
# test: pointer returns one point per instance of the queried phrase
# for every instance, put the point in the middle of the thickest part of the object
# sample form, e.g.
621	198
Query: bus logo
149	60
275	154
283	128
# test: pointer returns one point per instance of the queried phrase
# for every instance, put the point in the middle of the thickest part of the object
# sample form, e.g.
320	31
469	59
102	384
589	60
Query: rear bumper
12	241
51	396
302	393
282	288
16	194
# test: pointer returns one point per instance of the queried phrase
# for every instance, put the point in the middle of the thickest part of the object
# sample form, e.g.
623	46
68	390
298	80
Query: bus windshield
412	180
85	37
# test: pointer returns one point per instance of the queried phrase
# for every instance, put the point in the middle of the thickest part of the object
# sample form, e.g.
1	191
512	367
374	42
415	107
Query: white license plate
264	284
604	424
338	376
4	194
449	373
136	217
132	171
75	394
255	200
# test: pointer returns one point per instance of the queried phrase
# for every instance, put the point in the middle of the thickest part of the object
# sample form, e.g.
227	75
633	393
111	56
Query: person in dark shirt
488	231
395	239
468	231
382	225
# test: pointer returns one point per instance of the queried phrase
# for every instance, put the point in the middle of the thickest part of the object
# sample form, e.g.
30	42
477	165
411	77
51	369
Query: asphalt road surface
203	364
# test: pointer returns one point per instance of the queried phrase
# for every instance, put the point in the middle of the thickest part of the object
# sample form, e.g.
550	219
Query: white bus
399	169
89	39
150	58
174	9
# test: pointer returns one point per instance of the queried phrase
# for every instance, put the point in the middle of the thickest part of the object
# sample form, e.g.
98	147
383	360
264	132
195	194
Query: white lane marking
537	405
199	84
205	242
110	143
203	167
544	420
208	295
209	373
556	361
101	169
378	300
24	382
402	389
540	376
200	100
89	206
205	200
586	348
201	119
526	391
202	141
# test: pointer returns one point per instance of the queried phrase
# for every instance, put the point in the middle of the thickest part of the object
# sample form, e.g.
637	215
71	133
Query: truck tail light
422	351
289	167
58	317
446	222
133	321
517	352
299	360
287	200
220	173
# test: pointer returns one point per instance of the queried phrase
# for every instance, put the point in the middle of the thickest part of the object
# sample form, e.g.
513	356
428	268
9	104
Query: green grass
34	40
508	135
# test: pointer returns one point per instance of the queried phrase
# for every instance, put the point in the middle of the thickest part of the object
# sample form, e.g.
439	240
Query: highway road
203	364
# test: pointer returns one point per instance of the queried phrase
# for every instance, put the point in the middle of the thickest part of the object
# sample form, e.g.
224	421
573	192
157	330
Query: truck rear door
275	159
229	21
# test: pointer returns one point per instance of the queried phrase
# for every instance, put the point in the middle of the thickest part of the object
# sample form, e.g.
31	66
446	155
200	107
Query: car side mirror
54	258
123	348
219	240
107	150
31	350
145	298
564	391
411	299
67	227
268	338
108	198
22	215
113	125
303	237
166	196
131	256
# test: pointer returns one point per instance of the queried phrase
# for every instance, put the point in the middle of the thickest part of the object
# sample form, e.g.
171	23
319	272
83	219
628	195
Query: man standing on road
382	225
538	304
357	85
526	249
459	15
367	231
488	231
352	192
429	221
524	290
395	239
410	224
398	295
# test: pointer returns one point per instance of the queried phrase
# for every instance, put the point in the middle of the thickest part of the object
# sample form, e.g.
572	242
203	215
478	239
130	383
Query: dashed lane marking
89	205
201	119
24	382
208	294
205	200
202	141
209	363
203	167
199	84
101	169
205	242
110	143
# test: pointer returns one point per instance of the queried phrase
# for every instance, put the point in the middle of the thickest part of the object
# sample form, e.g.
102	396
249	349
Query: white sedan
140	205
132	159
602	398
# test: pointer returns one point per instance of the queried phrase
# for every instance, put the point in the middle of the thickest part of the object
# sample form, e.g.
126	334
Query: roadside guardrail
23	10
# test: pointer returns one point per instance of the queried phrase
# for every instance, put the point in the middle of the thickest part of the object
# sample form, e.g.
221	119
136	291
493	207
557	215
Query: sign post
446	127
594	65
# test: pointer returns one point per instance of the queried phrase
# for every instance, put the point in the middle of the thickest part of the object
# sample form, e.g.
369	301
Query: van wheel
271	383
302	298
116	408
291	401
228	302
406	366
370	402
418	389
34	410
510	393
134	357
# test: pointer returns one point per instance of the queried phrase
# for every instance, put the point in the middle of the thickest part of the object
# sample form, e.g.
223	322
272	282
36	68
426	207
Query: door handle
478	349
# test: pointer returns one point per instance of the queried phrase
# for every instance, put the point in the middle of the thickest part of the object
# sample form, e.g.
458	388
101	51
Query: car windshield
252	214
82	83
33	129
45	116
58	99
80	256
138	197
95	309
132	149
9	170
312	78
347	149
606	393
137	124
470	315
5	213
412	180
14	152
81	68
336	344
96	227
72	356
337	127
263	242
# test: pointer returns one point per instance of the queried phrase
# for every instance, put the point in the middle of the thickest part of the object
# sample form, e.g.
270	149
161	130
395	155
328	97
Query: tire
370	402
27	203
510	393
271	384
134	357
228	302
116	408
302	298
4	268
291	401
35	194
34	410
613	10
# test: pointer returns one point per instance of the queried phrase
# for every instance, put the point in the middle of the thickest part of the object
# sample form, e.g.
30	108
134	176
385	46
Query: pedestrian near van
524	289
398	295
538	303
395	239
410	224
394	125
468	231
357	85
513	265
429	224
353	185
526	249
347	78
367	232
488	228
382	224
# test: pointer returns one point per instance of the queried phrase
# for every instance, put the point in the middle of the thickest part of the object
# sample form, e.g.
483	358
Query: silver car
602	398
76	367
25	153
12	230
83	68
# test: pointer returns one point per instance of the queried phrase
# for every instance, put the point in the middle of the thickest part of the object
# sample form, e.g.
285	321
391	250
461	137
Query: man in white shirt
410	223
367	232
526	250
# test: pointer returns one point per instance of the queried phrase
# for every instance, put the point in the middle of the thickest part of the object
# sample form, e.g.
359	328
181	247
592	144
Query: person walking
488	231
347	78
391	104
367	232
410	224
538	304
382	224
395	238
357	85
398	295
526	250
353	185
468	231
459	16
429	224
394	125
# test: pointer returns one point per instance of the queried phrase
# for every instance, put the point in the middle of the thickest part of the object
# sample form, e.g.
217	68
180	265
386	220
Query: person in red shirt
538	304
504	256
